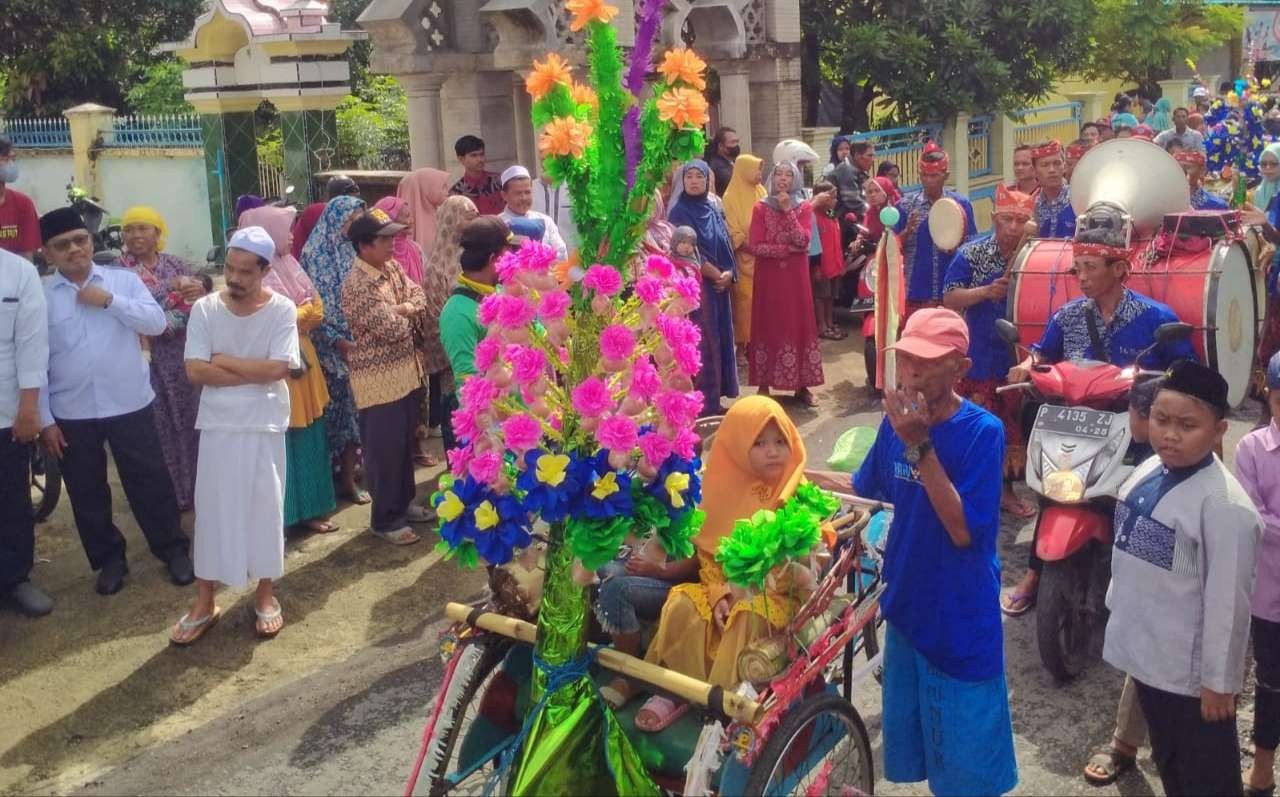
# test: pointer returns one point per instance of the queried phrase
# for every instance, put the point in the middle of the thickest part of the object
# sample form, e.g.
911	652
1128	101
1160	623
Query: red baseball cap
932	333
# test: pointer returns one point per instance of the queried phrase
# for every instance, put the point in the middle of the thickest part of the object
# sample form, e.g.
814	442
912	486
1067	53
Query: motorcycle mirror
1006	330
1174	330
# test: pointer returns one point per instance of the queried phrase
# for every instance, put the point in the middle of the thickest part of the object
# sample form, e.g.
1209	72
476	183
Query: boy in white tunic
241	344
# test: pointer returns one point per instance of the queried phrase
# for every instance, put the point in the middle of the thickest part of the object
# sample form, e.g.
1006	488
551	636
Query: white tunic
240	476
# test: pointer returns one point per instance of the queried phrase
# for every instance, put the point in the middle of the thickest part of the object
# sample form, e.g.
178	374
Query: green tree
1139	40
936	58
373	126
57	53
160	90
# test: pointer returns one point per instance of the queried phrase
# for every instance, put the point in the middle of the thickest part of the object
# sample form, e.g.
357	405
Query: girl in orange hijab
756	463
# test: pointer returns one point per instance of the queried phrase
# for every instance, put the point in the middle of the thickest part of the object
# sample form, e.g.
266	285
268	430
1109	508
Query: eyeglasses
79	240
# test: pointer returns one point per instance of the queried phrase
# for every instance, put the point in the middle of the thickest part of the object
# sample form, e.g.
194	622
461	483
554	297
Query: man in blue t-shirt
937	459
975	284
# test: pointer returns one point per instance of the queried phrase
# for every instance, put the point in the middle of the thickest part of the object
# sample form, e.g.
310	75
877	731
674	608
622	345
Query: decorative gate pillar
241	53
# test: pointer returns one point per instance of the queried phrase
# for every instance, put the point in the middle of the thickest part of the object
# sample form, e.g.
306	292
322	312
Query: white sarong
239	528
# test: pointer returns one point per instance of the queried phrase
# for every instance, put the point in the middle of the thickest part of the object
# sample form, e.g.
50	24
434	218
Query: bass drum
1213	290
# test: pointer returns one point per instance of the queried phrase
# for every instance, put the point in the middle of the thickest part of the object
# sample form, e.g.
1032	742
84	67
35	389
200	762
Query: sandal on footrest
663	712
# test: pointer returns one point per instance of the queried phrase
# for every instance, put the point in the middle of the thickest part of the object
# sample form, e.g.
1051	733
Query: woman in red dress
783	352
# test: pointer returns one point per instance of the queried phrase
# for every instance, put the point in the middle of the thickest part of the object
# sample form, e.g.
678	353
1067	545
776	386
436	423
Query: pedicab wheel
821	747
479	663
1064	625
46	483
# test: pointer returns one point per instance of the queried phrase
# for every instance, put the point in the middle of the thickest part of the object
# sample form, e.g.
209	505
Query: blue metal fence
41	133
980	145
1061	122
902	146
163	132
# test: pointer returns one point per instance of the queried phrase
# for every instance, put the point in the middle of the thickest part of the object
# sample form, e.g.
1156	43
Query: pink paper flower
617	342
645	381
459	460
486	467
514	312
660	266
478	393
521	433
677	331
617	433
554	305
465	425
688	358
591	397
649	290
528	364
486	354
655	448
487	312
686	443
689	289
604	280
678	409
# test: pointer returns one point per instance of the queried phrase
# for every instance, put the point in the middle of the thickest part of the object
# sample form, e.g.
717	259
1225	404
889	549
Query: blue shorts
955	734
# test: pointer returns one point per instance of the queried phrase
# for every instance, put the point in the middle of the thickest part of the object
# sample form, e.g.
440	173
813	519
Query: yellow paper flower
606	486
683	108
684	65
585	11
675	484
584	95
565	136
450	508
551	469
546	74
486	516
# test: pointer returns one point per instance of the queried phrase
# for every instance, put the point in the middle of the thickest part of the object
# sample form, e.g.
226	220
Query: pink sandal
665	712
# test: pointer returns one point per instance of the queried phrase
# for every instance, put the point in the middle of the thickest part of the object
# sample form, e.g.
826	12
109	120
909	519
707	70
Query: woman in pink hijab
425	190
407	252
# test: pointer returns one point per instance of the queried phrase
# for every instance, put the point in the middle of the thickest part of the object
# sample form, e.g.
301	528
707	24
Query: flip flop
807	398
664	709
322	527
1111	762
267	617
358	497
1019	509
402	536
1254	791
1027	599
201	627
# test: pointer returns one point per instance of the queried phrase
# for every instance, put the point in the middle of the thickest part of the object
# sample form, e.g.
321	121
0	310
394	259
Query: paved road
337	703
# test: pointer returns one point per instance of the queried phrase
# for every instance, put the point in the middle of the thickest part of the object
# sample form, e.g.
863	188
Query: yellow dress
308	395
740	197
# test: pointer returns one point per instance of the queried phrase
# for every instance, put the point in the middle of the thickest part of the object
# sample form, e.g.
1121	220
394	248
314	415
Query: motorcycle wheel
1064	623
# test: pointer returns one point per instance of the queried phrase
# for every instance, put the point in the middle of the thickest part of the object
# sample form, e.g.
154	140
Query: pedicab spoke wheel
46	483
475	673
820	748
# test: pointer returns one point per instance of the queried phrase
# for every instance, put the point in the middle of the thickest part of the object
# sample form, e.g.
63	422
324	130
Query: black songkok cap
1200	382
56	222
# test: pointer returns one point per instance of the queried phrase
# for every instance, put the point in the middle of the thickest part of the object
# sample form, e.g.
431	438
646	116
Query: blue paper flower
549	484
678	484
604	492
454	503
501	526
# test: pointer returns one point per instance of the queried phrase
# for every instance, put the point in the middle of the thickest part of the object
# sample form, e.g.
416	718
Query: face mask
735	151
8	172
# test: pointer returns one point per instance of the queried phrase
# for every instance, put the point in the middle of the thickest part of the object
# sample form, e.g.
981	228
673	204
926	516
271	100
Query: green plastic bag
851	448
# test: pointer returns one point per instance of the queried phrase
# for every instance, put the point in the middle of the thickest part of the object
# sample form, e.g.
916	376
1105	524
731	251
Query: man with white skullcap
517	191
242	342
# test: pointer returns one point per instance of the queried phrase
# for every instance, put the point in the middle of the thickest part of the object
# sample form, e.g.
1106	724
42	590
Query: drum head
1230	307
946	224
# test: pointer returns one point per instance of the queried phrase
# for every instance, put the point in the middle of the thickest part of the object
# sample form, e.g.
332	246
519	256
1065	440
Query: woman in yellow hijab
742	194
756	463
175	287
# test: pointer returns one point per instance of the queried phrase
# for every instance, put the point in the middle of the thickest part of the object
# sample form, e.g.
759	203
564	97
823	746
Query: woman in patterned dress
327	258
175	288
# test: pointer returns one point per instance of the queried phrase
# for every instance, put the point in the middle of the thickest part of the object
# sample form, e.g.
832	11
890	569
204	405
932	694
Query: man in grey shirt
1181	133
1181	579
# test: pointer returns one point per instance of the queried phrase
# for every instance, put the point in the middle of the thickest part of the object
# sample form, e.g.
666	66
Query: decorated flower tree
582	409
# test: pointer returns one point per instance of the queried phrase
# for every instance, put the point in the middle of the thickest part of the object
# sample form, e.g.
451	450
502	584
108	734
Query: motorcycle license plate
1077	421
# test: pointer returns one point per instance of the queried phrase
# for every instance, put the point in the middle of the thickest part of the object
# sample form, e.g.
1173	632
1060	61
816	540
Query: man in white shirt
241	344
99	393
1186	137
517	191
24	366
552	199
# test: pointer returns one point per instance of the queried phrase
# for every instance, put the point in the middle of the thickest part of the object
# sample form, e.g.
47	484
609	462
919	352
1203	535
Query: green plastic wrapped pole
575	745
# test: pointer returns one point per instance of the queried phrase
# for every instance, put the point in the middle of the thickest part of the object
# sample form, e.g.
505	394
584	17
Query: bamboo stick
688	689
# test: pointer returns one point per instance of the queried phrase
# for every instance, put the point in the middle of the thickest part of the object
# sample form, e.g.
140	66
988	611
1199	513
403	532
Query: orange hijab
730	489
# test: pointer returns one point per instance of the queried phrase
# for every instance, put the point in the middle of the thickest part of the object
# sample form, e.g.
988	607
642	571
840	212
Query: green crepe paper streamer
851	448
609	158
768	539
596	542
465	554
677	538
818	501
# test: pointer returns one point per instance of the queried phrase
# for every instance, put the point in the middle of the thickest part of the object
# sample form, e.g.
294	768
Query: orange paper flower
684	65
683	108
546	74
585	11
585	95
564	136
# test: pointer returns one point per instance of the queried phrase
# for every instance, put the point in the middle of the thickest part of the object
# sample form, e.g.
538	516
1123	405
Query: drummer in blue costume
923	263
1054	217
1125	324
1193	163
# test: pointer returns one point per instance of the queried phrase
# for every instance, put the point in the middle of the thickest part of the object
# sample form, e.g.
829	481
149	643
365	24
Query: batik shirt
1204	200
1132	329
923	264
1056	218
977	264
486	193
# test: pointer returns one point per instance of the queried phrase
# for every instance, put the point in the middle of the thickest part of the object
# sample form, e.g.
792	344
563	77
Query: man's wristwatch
915	453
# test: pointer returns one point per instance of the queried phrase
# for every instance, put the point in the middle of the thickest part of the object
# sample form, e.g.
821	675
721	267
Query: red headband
1077	151
1046	150
1099	250
938	166
1190	156
1014	203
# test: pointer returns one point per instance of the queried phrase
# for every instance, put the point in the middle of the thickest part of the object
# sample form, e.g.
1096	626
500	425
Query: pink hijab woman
407	251
425	190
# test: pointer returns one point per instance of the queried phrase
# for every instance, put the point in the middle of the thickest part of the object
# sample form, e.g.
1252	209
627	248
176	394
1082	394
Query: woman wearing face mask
175	288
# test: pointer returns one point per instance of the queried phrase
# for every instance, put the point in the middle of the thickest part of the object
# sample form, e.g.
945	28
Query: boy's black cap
1199	382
